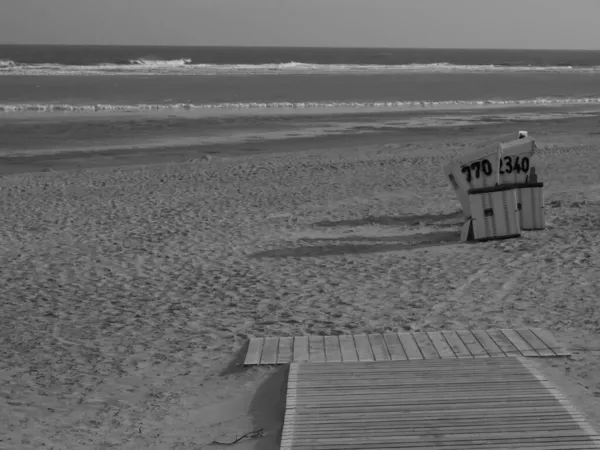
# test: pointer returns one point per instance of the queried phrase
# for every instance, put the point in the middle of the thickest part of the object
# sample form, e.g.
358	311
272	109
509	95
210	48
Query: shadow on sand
429	219
268	408
395	243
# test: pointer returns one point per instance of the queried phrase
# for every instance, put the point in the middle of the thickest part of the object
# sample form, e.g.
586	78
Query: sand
128	292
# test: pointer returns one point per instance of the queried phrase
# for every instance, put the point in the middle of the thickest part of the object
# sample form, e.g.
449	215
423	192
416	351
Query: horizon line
303	47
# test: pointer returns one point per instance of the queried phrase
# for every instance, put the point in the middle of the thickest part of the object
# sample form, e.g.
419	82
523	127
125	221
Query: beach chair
491	163
497	166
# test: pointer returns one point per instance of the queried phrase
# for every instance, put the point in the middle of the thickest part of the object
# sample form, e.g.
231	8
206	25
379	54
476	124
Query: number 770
475	169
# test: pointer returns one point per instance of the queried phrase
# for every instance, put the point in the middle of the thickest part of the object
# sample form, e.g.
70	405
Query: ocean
105	78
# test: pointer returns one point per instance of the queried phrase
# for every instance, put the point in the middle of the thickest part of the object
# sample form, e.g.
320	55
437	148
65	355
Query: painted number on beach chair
476	168
507	165
519	165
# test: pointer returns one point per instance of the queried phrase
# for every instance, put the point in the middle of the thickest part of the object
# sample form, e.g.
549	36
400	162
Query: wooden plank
522	383
478	441
547	338
323	421
254	352
369	396
426	404
408	421
427	348
390	384
474	438
316	348
460	446
416	371
384	429
269	354
289	422
448	364
395	347
403	437
485	413
301	349
516	340
457	345
488	344
417	367
440	344
332	349
410	346
403	420
410	371
473	345
503	342
416	375
398	423
464	396
347	347
380	351
285	350
534	445
528	336
420	345
495	404
375	433
363	347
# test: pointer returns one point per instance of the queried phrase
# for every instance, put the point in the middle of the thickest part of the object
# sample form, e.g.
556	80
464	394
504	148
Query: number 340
507	165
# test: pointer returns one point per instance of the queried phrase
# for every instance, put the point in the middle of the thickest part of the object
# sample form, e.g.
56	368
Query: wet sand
38	141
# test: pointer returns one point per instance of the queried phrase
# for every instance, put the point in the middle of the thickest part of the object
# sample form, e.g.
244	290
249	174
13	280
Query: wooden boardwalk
467	404
466	344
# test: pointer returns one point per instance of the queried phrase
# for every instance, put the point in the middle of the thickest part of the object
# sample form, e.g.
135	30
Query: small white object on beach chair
494	213
530	202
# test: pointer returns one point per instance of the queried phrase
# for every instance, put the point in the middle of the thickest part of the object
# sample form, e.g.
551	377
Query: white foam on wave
8	108
7	63
185	67
159	63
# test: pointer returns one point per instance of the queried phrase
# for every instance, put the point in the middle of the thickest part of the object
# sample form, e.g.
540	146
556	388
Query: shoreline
259	140
308	111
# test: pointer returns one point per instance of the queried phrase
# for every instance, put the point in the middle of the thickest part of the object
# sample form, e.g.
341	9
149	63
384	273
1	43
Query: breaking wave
155	63
8	108
6	64
185	66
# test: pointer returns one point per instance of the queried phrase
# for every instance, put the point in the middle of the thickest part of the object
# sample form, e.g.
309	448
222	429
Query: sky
526	24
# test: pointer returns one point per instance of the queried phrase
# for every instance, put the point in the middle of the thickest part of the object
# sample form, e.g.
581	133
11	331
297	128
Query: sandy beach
131	279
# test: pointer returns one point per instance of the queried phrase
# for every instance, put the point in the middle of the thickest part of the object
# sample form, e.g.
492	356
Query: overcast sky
572	24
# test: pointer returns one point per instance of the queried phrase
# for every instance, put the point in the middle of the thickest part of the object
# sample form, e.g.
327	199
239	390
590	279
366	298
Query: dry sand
127	292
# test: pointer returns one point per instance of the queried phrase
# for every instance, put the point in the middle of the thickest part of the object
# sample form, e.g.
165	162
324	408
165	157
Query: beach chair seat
494	214
530	203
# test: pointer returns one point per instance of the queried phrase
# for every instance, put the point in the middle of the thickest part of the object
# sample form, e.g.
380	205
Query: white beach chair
480	178
497	161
